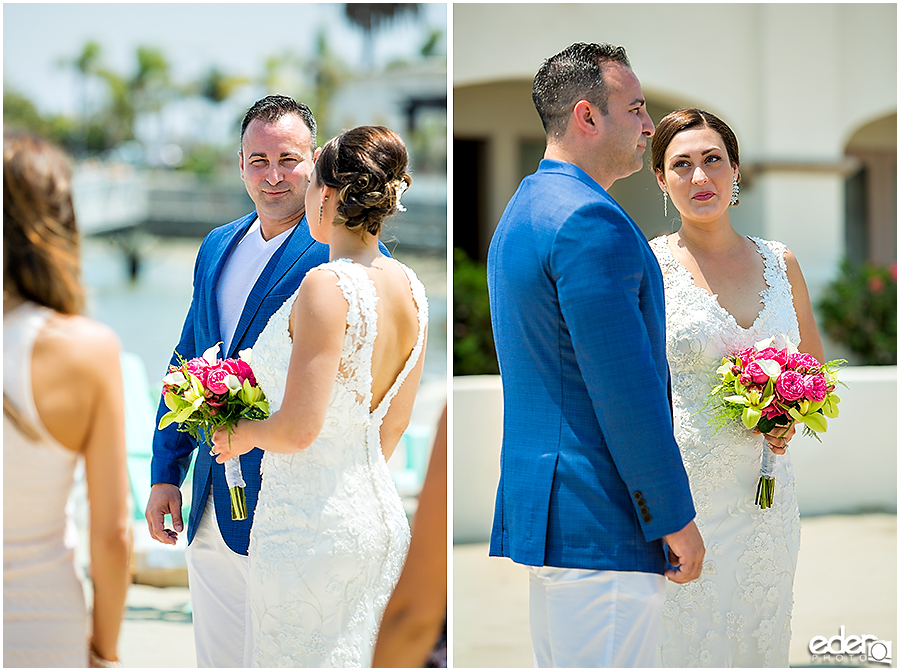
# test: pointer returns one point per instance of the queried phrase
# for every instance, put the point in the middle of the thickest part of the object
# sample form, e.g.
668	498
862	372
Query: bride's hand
226	446
779	437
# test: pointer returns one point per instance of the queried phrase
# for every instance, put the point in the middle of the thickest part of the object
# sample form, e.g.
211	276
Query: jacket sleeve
603	285
172	449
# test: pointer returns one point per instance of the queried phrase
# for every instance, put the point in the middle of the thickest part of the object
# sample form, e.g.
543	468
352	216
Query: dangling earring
735	192
665	202
321	206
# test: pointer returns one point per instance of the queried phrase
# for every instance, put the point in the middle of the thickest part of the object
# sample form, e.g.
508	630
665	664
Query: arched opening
871	193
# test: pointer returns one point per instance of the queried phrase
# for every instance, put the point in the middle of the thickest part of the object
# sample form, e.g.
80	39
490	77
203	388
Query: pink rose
745	379
756	373
790	385
803	361
773	354
241	370
815	387
198	367
215	379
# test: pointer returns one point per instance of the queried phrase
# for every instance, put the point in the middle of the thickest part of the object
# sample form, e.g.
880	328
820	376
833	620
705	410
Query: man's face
276	159
627	126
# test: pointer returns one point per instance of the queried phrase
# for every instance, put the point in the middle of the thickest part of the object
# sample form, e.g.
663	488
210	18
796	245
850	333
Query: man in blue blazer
592	483
244	272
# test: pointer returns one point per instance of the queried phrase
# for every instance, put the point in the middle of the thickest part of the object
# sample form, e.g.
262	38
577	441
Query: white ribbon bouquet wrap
207	393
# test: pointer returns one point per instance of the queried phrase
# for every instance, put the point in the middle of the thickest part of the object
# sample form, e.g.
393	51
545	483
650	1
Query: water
147	314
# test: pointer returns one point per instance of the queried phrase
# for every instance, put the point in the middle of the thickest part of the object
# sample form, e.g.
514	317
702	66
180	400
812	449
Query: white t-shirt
243	268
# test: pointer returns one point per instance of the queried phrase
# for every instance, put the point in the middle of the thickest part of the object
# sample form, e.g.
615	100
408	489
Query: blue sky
236	37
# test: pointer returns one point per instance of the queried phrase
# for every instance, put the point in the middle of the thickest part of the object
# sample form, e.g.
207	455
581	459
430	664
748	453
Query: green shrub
473	339
859	310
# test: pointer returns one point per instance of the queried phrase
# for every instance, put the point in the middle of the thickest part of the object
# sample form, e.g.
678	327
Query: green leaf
750	417
766	424
829	408
816	422
167	419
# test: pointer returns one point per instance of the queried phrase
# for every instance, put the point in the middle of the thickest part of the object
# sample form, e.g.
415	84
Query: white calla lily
175	379
233	384
770	367
212	353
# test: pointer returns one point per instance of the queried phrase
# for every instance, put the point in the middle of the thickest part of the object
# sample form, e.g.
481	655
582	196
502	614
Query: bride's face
698	174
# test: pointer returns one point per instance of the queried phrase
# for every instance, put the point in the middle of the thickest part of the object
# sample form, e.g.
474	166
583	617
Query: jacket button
638	495
644	511
647	518
641	502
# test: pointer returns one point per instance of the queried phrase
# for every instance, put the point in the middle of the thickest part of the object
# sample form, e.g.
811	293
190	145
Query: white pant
594	619
223	635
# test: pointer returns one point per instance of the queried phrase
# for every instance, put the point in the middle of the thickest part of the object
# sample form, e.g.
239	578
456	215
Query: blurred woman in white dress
62	402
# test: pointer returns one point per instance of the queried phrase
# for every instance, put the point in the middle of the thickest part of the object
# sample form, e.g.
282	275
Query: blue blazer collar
548	165
562	167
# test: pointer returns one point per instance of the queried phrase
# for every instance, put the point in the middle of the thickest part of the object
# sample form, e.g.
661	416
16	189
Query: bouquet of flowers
765	387
204	394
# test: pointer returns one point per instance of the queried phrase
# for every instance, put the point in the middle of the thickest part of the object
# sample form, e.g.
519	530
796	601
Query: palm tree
87	65
371	17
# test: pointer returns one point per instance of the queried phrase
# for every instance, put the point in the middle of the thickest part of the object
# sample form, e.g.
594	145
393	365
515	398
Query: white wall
854	469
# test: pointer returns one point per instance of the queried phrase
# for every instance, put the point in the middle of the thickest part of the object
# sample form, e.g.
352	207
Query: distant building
809	89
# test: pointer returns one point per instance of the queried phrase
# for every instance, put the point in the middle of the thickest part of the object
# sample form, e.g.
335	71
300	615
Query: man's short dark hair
271	108
571	75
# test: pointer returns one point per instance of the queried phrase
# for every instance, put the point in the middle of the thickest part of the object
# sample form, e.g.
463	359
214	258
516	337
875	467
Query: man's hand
164	498
686	553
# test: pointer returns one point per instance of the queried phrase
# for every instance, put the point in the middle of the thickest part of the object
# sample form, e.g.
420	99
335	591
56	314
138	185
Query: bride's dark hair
367	167
685	119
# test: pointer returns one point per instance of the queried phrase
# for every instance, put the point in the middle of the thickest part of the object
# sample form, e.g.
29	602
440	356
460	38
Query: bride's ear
660	181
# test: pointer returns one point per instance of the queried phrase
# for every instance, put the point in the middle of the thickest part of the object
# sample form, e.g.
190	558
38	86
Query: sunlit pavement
846	576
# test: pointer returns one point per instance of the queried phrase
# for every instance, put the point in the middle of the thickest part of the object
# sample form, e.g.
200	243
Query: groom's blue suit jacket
591	476
278	281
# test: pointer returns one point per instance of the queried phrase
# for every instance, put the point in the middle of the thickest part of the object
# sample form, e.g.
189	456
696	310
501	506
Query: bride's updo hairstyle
367	167
687	119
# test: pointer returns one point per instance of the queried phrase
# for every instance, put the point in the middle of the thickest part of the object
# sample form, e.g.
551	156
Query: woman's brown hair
40	237
367	166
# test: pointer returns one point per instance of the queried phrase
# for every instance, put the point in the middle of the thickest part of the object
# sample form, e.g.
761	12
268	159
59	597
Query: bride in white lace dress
340	363
725	292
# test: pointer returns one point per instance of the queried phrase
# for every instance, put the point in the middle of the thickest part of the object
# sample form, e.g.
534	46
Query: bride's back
356	184
398	326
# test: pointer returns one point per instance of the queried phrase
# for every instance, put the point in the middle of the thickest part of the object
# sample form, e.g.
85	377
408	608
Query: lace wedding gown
329	535
738	613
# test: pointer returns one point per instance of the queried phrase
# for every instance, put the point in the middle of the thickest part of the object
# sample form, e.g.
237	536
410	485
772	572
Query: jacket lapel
214	259
282	261
221	253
